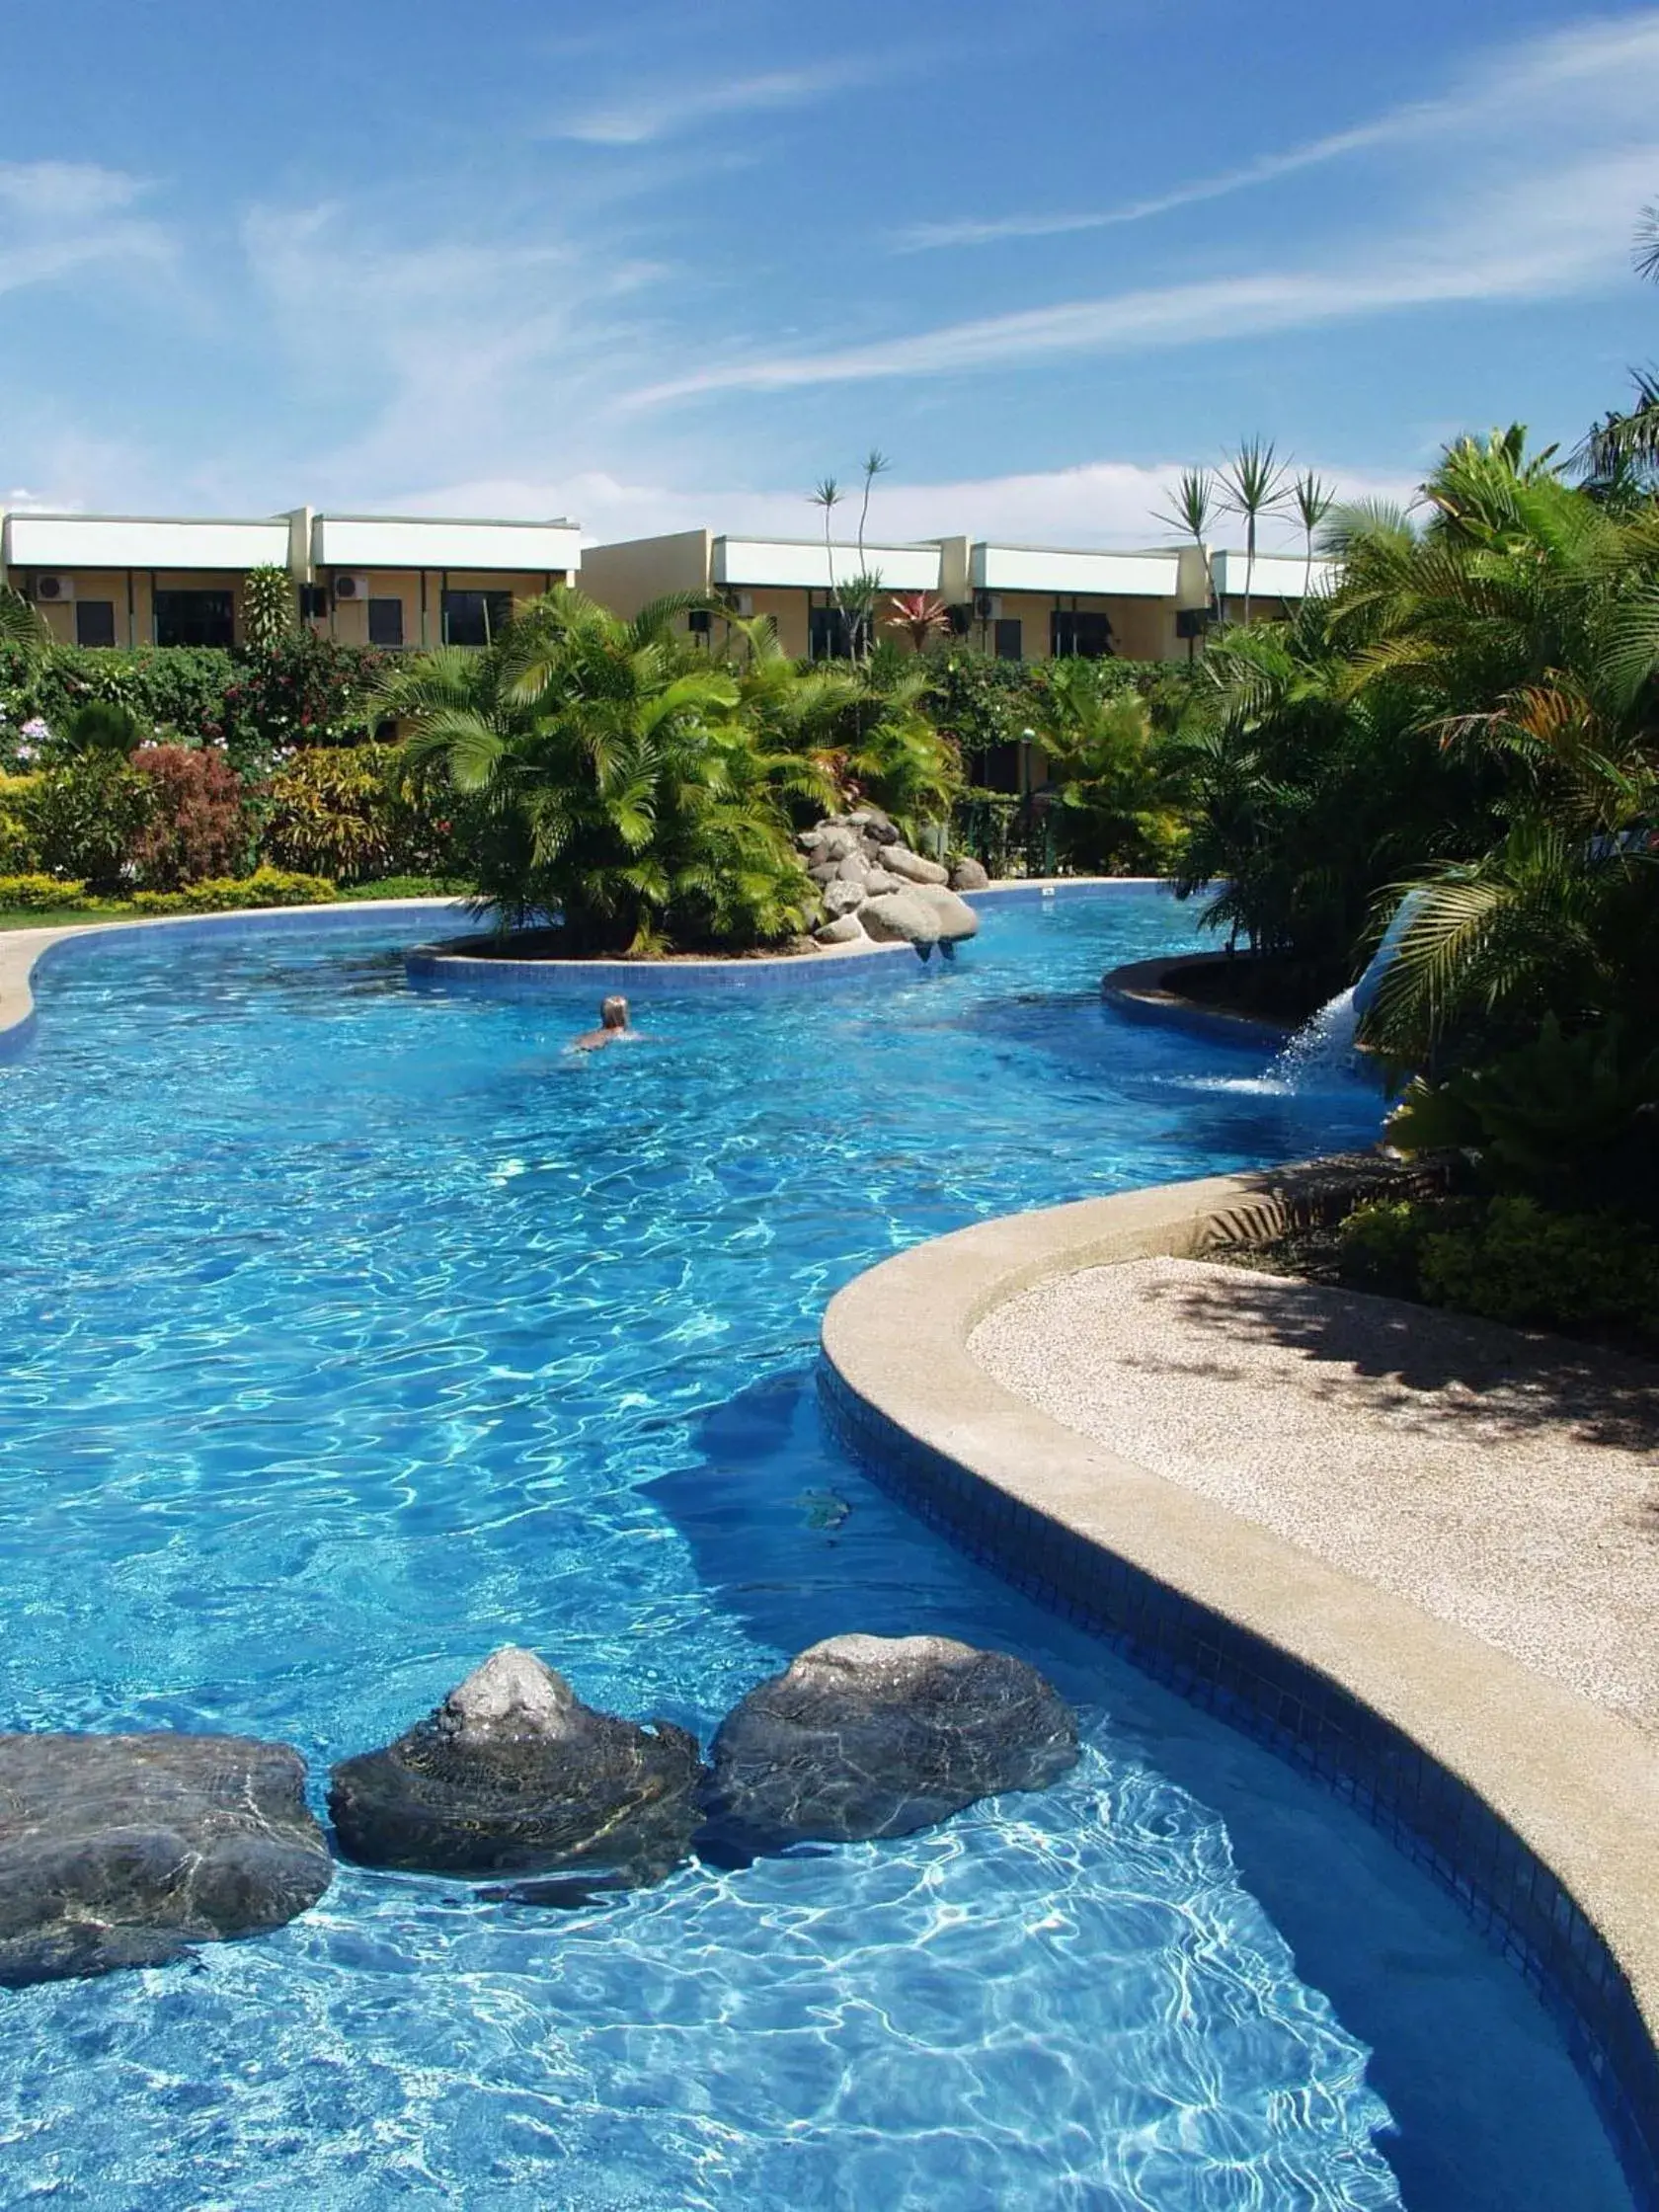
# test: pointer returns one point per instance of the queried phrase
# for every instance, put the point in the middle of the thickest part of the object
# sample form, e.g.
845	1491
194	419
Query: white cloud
59	217
1612	64
1553	232
647	115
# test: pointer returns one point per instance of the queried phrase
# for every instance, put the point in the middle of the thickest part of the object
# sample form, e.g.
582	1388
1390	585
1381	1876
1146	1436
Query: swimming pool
348	1331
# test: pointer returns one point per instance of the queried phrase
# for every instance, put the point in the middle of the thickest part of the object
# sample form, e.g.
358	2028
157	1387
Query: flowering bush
83	820
195	827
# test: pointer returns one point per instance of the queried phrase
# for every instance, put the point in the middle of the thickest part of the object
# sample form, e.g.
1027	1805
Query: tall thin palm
1192	509
828	496
1252	485
1313	498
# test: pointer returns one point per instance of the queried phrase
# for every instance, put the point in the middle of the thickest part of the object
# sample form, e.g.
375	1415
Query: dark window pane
475	617
828	634
1008	640
195	618
385	621
94	621
1073	633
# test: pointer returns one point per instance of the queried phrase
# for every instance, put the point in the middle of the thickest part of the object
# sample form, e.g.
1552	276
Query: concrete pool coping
1537	1808
21	950
1145	990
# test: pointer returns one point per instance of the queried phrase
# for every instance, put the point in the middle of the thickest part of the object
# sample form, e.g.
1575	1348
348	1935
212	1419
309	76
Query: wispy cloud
58	217
644	117
1613	57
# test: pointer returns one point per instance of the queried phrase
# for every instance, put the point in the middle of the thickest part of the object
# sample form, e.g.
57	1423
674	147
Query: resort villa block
1020	603
392	581
408	580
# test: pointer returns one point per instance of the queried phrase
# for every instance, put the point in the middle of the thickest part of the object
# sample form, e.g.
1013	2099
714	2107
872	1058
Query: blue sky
654	265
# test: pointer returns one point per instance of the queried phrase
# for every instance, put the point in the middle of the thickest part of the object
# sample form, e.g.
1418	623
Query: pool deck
1505	1483
1252	1491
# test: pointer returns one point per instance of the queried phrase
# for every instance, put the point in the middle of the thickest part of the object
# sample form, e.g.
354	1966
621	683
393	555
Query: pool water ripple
348	1331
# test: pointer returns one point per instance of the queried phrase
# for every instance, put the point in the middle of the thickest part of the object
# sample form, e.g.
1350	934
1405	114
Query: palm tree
876	463
1313	498
612	776
21	625
1252	485
1191	510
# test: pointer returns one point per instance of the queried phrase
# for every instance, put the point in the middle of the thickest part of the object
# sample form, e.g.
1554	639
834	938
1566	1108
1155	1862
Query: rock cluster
870	885
124	1851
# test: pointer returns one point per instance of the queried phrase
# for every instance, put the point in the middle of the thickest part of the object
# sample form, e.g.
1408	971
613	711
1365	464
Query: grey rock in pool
125	1850
512	1774
865	1736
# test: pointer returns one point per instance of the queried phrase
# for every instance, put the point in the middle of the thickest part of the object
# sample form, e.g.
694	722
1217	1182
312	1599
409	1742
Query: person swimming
614	1028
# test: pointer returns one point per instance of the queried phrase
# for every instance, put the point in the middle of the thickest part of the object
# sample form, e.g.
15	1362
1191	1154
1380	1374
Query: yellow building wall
1141	629
129	591
346	621
628	576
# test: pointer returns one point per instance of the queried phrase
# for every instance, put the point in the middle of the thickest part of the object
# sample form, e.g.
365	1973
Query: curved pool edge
1536	1809
448	966
23	950
1141	989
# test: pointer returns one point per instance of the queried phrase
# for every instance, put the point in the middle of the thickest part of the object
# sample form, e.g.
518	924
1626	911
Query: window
1008	640
385	622
828	634
475	617
195	618
94	621
1073	632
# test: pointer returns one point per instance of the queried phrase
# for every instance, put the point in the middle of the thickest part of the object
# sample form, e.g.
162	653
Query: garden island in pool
349	1331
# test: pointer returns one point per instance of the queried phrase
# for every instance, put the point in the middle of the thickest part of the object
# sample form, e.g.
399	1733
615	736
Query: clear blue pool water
347	1332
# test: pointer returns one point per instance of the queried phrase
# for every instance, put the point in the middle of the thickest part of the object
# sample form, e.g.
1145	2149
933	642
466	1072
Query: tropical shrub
102	726
17	853
37	894
266	887
1520	1263
178	692
342	811
83	820
1116	808
1380	1246
616	783
196	828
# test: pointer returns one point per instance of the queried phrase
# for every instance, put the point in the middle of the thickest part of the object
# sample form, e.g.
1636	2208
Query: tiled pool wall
1425	1810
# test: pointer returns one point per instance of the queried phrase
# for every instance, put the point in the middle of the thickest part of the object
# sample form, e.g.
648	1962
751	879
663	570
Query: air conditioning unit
988	607
52	591
349	588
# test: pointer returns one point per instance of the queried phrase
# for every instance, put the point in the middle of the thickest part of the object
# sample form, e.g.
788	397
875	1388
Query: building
103	580
1020	603
791	580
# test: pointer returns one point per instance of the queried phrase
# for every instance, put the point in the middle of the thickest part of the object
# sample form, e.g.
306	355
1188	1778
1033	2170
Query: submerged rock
865	1736
124	1851
512	1774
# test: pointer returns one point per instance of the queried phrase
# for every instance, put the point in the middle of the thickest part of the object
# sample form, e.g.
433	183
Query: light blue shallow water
347	1332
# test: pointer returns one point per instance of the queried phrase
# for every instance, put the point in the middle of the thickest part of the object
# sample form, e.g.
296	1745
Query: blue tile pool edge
1426	1811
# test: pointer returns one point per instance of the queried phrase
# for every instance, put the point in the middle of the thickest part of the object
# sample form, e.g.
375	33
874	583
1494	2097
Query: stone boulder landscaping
871	884
514	1774
865	1736
124	1851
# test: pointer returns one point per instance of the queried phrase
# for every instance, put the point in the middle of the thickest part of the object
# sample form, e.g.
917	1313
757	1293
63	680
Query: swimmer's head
613	1013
